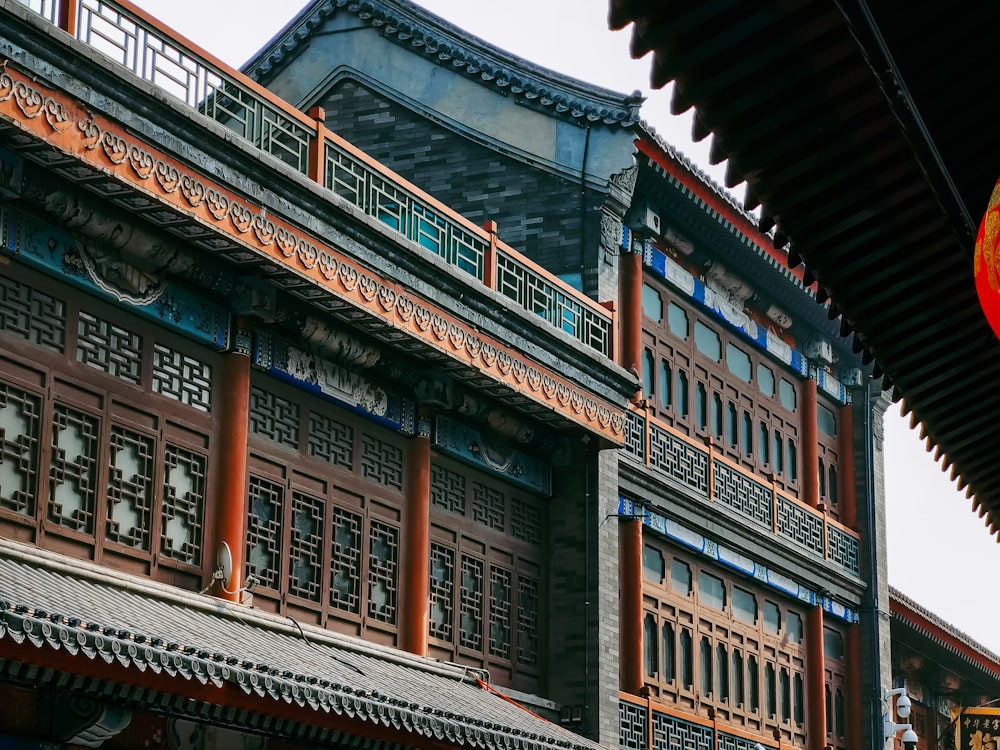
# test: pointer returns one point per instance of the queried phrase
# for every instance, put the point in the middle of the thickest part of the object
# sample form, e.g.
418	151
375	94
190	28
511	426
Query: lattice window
182	377
527	620
264	531
472	593
109	348
345	588
500	612
32	315
525	520
305	552
130	488
635	435
442	591
678	459
670	733
73	471
20	422
799	525
330	440
448	489
488	506
274	417
383	559
632	724
183	510
382	462
741	493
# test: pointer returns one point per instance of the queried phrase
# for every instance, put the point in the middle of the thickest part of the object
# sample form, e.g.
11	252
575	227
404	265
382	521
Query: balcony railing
700	471
135	40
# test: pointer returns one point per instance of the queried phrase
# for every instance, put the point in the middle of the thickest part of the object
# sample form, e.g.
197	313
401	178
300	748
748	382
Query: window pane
765	380
687	659
833	644
647	372
799	699
770	690
707	341
822	478
747	434
705	676
653	566
826	421
786	393
649	644
738	693
717	415
701	406
832	486
669	670
677	319
786	695
666	386
772	618
711	590
680	577
722	670
738	362
779	454
753	683
763	444
682	394
731	420
652	305
744	605
793	627
792	460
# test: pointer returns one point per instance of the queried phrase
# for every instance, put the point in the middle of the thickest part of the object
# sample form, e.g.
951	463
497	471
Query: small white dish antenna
224	565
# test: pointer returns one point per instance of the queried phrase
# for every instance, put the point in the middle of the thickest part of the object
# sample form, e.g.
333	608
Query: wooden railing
137	41
700	471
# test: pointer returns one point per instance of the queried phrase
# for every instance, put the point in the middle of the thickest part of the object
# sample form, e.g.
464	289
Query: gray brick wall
537	213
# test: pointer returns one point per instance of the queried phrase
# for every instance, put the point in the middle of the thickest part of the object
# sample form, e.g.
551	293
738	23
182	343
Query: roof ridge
938	621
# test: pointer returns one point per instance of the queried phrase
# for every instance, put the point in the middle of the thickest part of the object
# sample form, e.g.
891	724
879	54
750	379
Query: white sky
940	553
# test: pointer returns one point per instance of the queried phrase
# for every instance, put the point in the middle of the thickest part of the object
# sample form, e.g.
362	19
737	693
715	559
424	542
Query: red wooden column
68	12
630	291
848	501
414	593
853	686
815	680
630	605
231	462
810	443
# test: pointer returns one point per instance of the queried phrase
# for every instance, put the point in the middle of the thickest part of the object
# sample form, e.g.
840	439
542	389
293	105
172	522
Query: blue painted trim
57	253
733	560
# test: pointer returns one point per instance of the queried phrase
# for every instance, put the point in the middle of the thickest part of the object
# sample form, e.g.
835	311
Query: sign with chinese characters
976	728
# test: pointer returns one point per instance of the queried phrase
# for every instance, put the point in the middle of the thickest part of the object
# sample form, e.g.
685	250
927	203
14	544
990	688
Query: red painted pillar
630	290
848	500
630	605
810	444
68	12
815	680
231	467
415	589
853	686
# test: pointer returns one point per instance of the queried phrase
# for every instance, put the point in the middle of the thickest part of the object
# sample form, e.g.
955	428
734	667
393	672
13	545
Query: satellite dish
224	565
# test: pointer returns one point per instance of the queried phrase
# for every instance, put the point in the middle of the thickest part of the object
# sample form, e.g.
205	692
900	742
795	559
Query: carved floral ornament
99	143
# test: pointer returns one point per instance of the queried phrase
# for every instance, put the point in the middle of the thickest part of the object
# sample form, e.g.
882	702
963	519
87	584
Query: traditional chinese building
401	392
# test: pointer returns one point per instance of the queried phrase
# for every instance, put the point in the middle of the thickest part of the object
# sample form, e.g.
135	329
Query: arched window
753	683
701	406
649	645
763	444
747	434
669	667
705	676
738	692
731	426
722	669
687	659
647	372
682	394
786	695
770	690
717	415
666	385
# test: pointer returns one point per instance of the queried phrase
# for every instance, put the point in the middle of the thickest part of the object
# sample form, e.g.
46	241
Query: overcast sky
940	553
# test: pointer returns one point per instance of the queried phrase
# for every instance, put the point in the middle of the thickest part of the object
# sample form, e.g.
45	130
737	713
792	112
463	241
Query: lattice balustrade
672	733
109	347
305	547
32	315
633	726
183	509
20	425
182	377
73	468
732	742
130	488
678	459
749	498
635	435
800	525
843	549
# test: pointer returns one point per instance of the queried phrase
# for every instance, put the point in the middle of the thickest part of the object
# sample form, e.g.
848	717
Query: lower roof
96	617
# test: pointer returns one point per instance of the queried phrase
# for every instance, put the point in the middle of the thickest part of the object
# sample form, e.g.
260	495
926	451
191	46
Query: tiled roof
447	45
92	613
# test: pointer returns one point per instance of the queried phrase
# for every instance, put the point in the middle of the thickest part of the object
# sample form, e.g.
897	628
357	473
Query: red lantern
987	262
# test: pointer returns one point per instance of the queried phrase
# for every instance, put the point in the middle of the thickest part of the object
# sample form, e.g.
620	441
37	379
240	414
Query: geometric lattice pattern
500	591
442	592
182	378
488	506
109	348
448	489
73	470
678	459
471	615
183	510
274	417
345	587
670	733
383	560
525	520
32	315
799	525
330	440
635	443
305	547
633	726
741	493
843	549
264	531
731	742
382	462
527	620
130	488
20	425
